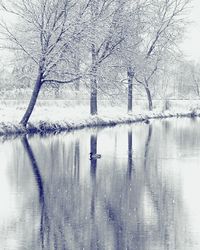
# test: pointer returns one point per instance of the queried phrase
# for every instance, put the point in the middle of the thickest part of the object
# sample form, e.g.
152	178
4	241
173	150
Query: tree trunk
197	88
77	82
130	74
93	84
33	100
149	98
93	94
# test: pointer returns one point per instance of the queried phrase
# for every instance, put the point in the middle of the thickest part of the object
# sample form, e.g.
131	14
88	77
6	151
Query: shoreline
47	127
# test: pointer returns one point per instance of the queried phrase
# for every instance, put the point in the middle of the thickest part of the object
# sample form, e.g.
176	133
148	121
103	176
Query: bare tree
134	30
46	30
195	77
164	25
106	35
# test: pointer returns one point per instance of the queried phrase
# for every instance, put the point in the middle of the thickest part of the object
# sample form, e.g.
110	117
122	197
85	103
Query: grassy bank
43	126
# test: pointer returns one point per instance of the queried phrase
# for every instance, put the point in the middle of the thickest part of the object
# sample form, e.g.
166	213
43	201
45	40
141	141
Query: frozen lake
142	194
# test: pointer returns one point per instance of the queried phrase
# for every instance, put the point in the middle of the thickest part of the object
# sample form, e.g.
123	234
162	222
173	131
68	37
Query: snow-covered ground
59	115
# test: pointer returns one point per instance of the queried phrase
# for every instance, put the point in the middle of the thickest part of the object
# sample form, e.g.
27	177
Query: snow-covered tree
106	35
46	31
164	26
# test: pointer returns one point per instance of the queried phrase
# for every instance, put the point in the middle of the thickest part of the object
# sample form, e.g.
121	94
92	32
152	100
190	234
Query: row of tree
93	42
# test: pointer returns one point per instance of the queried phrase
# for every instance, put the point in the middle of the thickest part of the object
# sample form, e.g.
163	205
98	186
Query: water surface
142	194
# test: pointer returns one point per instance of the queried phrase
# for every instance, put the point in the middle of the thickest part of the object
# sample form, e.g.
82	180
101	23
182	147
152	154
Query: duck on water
94	156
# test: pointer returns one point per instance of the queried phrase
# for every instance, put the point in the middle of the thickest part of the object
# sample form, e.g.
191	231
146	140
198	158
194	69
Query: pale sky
191	43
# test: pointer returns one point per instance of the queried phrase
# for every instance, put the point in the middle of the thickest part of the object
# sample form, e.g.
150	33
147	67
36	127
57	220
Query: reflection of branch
147	173
130	154
77	161
38	177
162	194
146	153
93	169
117	224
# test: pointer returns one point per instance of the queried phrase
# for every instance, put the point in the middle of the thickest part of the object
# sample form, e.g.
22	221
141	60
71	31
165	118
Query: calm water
142	194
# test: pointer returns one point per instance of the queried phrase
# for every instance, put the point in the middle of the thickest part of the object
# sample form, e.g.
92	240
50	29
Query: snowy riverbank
59	116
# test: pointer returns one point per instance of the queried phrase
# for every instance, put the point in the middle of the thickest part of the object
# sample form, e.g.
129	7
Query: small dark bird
94	156
146	121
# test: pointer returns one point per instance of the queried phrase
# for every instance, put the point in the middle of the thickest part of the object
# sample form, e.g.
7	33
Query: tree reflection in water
44	223
94	186
77	161
130	153
110	203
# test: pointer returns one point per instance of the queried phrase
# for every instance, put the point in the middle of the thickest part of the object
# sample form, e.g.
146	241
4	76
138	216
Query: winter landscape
99	124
